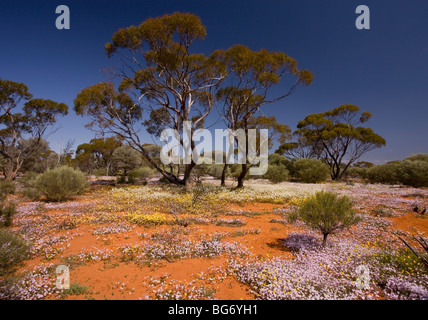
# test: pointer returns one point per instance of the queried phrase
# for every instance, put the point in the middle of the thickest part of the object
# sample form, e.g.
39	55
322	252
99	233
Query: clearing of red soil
128	280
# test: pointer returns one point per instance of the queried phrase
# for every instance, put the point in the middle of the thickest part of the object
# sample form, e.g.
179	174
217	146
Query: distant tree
300	149
126	158
338	134
97	154
30	121
41	159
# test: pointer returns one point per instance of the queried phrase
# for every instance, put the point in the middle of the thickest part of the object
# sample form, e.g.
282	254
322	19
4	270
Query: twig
413	250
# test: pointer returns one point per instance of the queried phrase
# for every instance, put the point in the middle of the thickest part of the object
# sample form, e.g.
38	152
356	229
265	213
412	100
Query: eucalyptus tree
160	74
97	154
252	76
28	121
338	137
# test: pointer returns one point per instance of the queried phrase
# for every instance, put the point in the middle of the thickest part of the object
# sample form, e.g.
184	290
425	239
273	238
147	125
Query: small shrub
310	170
6	188
29	182
13	250
383	211
31	193
148	219
292	216
327	213
276	173
100	172
142	173
7	209
75	289
61	183
229	223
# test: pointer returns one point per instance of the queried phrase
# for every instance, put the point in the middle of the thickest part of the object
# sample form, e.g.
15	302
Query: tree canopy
23	122
162	76
337	137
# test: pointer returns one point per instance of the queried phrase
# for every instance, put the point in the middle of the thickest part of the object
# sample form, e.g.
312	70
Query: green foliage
61	183
6	188
75	289
158	56
13	250
310	170
29	182
96	156
216	170
7	209
385	173
335	135
32	119
356	172
126	158
279	160
41	158
276	173
327	213
418	157
411	172
142	173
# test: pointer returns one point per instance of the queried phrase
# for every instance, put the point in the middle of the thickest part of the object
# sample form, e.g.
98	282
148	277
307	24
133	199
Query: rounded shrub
276	173
384	173
13	250
7	208
310	170
29	183
143	173
356	172
327	213
413	173
61	183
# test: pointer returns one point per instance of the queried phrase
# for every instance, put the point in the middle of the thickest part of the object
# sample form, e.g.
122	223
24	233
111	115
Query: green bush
418	157
6	188
216	170
356	172
61	183
310	170
327	213
7	209
29	182
409	172
13	250
142	173
276	173
384	173
413	173
100	172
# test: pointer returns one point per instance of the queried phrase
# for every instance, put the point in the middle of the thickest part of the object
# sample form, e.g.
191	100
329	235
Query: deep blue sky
382	70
